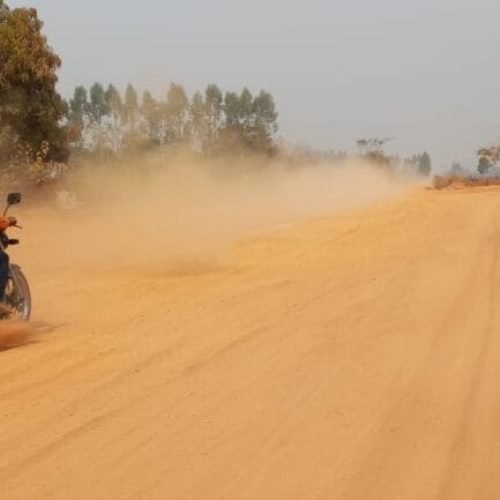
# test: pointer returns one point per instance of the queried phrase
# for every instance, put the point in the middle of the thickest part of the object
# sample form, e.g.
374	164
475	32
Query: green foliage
78	109
378	158
245	108
176	110
371	145
371	149
209	123
114	101
492	154
265	120
197	123
31	110
232	109
130	106
424	165
151	113
98	103
79	105
213	110
484	165
250	123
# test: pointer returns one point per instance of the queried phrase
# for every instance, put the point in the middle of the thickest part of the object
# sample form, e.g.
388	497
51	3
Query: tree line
212	122
37	123
372	150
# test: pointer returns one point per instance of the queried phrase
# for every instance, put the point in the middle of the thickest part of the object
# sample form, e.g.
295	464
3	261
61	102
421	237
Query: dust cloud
15	334
141	216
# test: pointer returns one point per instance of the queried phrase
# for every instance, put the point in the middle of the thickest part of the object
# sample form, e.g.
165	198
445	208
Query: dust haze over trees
424	166
212	122
372	150
488	158
38	126
420	163
484	164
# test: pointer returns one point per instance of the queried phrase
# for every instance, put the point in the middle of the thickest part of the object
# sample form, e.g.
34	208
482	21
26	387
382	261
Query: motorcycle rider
5	223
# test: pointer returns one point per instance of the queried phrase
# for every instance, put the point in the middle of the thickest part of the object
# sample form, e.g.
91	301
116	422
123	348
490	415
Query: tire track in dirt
435	397
462	457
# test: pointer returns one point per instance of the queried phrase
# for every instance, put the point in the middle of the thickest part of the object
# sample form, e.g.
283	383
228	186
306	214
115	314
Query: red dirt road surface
348	357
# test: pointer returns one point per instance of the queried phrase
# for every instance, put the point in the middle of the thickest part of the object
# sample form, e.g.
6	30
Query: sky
424	73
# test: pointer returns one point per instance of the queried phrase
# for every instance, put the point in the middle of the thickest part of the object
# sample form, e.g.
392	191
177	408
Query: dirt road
351	357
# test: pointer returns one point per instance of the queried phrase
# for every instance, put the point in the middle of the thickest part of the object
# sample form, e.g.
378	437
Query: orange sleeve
4	223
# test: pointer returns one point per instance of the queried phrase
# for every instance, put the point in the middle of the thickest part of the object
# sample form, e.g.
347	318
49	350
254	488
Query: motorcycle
17	299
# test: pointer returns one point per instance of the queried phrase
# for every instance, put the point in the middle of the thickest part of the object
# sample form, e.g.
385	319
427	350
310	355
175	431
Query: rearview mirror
14	198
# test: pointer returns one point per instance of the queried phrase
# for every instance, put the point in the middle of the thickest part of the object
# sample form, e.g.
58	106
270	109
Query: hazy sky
424	72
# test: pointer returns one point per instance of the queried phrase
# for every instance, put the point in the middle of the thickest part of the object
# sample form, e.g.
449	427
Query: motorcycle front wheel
18	295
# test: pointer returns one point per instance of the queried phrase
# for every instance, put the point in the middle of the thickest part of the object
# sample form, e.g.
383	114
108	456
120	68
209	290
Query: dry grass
463	181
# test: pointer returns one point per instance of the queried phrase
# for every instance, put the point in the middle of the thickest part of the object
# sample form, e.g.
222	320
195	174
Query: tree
131	106
265	122
151	114
371	144
491	153
98	126
213	103
246	108
249	123
176	109
198	121
31	110
371	149
424	165
411	163
98	104
211	123
113	101
484	165
78	105
78	111
115	108
231	109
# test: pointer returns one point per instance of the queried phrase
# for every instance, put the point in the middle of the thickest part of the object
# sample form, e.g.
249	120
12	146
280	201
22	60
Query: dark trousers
4	273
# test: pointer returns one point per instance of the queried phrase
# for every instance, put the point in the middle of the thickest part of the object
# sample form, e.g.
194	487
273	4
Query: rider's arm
6	222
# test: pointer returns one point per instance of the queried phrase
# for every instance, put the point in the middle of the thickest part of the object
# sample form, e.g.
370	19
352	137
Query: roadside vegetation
43	135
